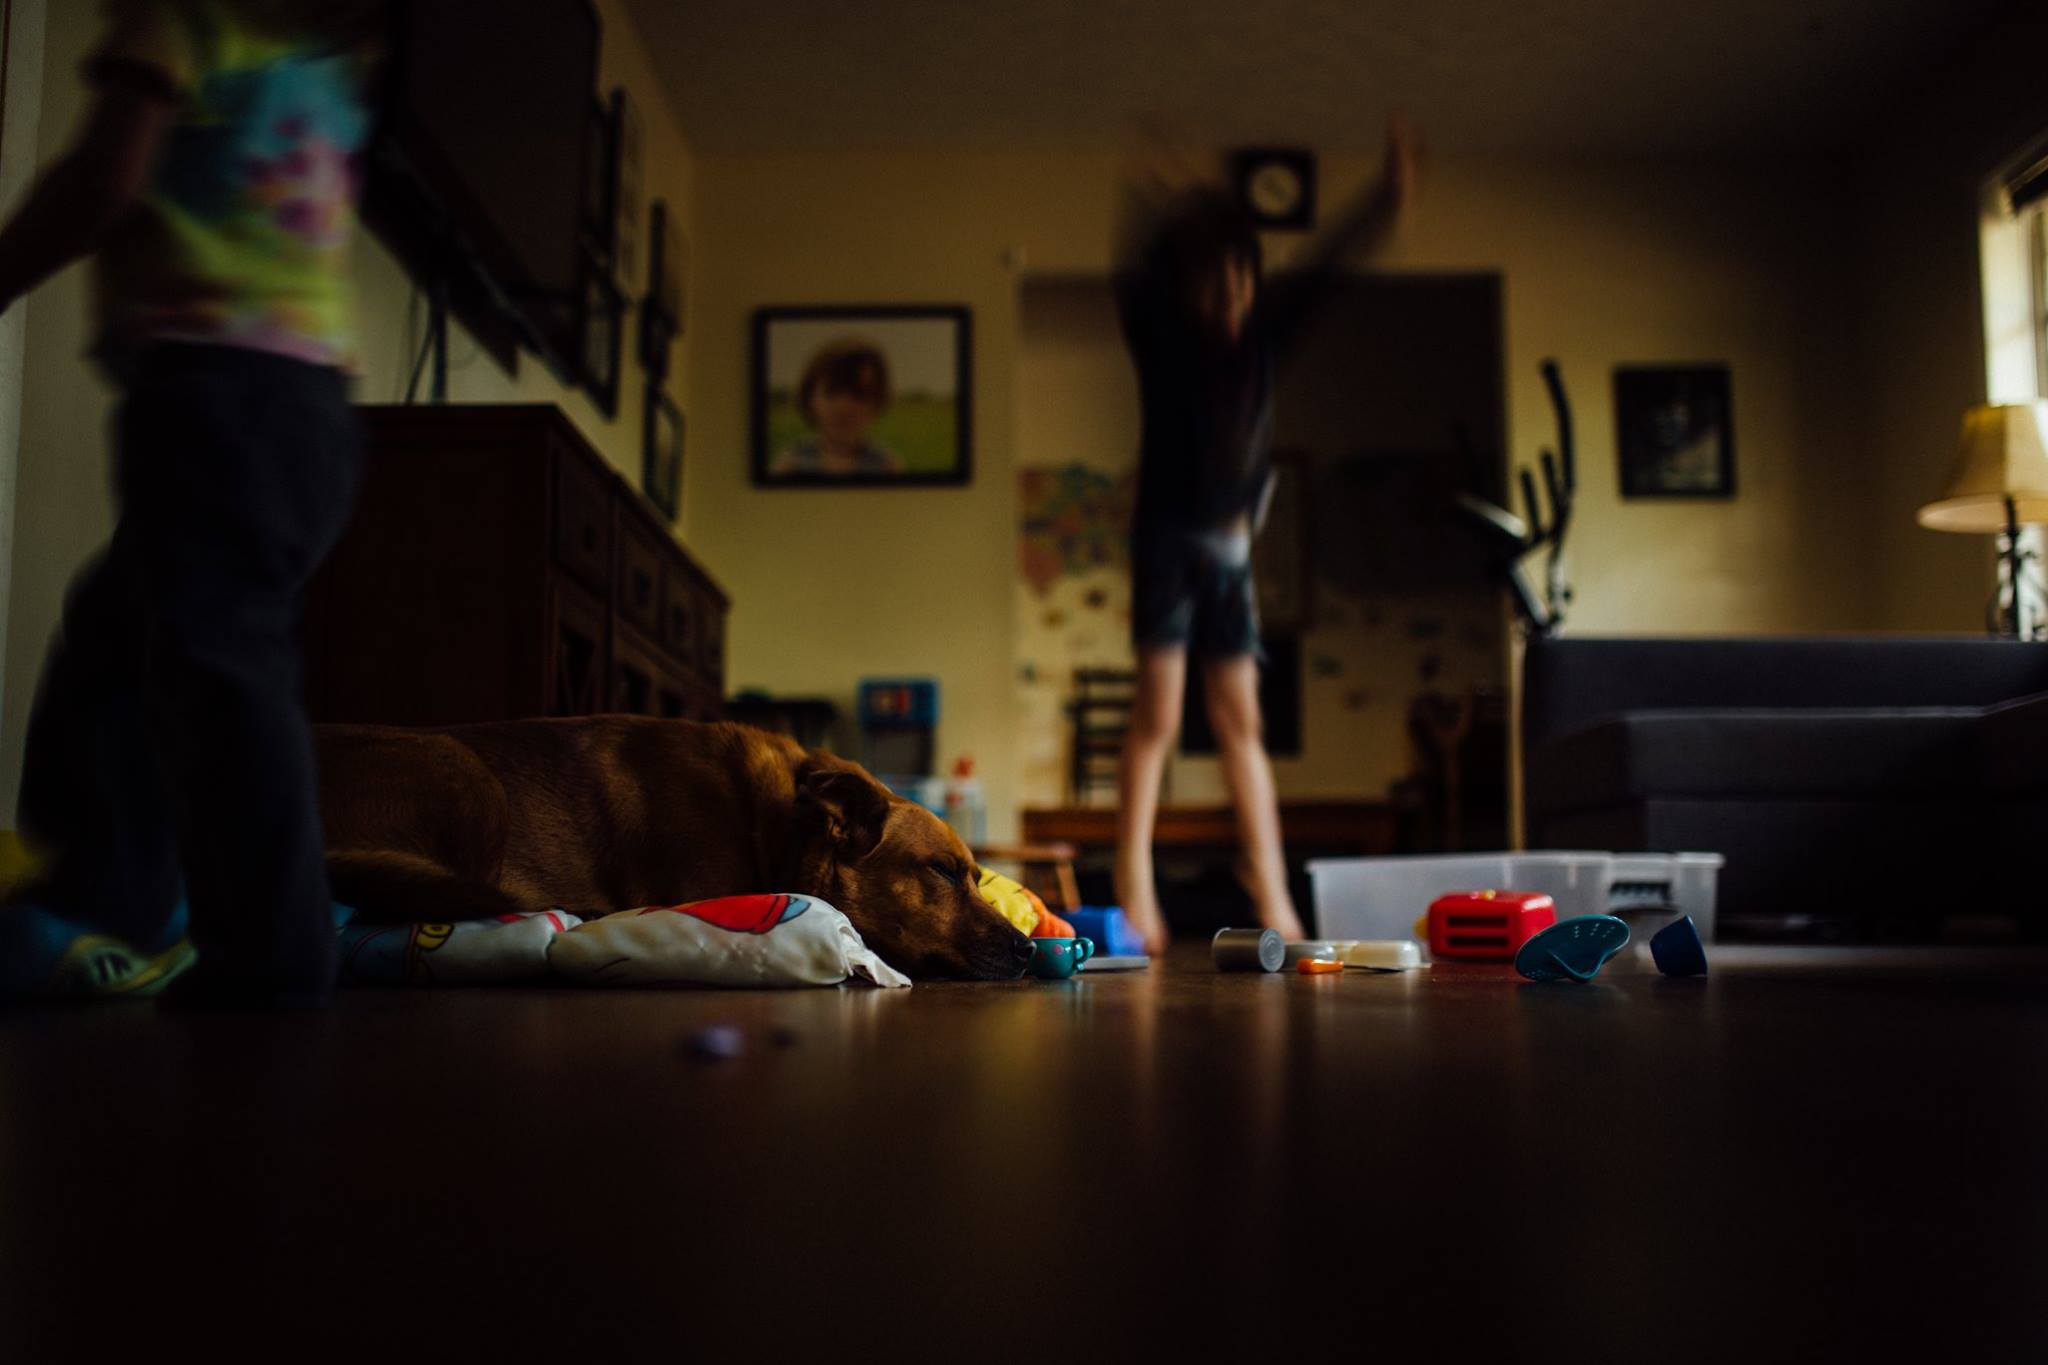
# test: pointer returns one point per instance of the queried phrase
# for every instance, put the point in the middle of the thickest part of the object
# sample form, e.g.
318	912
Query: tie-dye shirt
242	236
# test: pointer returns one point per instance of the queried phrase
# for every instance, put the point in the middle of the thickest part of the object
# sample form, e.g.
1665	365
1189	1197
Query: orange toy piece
1049	925
1314	966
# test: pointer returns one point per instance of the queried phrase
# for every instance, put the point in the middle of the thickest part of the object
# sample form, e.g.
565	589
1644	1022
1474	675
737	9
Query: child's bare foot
1148	924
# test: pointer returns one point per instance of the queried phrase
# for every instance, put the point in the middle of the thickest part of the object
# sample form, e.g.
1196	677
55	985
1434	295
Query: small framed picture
661	472
626	138
603	320
876	396
1675	431
661	312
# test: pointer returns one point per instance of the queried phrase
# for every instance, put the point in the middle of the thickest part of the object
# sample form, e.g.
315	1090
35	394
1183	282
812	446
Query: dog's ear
852	806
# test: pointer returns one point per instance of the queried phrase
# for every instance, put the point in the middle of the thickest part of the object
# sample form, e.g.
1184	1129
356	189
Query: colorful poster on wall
1075	518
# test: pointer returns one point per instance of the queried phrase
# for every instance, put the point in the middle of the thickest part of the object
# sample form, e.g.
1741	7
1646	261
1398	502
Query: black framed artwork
661	470
601	183
604	316
1675	431
668	267
871	395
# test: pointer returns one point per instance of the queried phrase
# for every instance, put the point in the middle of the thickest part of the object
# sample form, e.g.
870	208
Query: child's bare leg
1155	723
1232	688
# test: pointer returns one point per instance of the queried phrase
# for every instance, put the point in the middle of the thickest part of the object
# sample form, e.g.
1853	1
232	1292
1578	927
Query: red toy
1487	926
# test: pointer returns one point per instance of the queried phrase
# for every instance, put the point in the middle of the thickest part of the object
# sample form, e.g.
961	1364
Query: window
2037	254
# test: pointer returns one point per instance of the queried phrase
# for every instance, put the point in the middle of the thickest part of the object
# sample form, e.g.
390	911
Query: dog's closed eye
949	871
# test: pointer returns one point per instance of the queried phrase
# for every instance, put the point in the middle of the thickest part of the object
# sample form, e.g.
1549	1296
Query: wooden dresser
498	568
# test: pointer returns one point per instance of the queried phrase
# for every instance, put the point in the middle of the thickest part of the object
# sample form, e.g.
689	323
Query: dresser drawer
641	589
579	652
583	521
679	613
637	677
711	646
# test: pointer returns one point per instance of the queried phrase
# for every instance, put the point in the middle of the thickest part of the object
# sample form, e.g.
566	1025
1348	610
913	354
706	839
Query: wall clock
1276	186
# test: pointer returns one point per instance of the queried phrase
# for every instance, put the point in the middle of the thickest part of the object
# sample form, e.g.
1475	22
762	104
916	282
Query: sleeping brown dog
616	812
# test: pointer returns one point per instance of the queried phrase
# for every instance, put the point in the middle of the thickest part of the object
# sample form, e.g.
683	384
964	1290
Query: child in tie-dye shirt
169	762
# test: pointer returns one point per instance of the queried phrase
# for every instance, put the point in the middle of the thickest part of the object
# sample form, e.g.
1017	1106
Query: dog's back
605	813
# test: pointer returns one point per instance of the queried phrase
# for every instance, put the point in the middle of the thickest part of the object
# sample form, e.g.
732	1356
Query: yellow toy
1015	903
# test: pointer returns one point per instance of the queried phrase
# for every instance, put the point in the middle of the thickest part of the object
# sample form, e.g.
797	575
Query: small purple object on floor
1677	950
720	1042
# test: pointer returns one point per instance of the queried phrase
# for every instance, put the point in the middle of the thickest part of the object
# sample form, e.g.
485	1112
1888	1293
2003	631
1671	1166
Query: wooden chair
1101	714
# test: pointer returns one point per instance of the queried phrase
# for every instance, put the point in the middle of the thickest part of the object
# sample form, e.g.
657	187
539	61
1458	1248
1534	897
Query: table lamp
1999	484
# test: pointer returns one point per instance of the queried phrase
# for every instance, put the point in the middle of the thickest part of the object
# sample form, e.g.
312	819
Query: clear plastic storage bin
1383	897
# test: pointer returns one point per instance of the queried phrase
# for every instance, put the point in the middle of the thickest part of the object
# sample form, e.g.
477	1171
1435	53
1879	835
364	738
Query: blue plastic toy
1055	959
1109	927
1575	948
1677	950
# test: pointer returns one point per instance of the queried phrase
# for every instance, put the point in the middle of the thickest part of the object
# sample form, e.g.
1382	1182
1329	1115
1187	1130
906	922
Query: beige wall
1605	263
63	467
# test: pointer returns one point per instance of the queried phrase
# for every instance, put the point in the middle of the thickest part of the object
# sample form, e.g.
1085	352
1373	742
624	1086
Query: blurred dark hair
851	366
1202	233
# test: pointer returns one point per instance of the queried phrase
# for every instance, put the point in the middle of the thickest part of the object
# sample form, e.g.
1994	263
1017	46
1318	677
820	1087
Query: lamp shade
2004	455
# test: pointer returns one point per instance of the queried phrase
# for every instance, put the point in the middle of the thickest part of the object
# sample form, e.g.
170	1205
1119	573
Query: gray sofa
1870	789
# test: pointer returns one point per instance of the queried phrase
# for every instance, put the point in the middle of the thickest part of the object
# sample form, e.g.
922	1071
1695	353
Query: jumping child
1204	330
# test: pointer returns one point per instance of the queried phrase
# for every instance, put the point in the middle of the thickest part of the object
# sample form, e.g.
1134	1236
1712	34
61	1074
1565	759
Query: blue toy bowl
1677	950
1574	949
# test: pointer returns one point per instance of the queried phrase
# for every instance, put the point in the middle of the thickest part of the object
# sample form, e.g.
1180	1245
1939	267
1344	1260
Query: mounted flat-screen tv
477	175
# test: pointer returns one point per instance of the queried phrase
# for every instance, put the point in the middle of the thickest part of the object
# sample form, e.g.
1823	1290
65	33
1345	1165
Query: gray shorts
1194	589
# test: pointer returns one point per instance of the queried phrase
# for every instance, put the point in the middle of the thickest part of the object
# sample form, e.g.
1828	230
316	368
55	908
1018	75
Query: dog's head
905	880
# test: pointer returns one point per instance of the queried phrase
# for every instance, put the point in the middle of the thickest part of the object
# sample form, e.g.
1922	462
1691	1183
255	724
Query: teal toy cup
1056	959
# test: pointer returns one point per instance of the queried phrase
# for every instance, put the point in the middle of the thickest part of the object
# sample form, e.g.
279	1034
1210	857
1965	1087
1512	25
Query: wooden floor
1790	1160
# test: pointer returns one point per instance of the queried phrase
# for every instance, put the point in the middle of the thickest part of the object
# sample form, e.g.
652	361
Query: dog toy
1576	948
1248	950
1677	950
750	941
1487	926
1017	903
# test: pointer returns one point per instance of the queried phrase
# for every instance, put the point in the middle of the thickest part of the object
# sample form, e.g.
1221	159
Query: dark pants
169	748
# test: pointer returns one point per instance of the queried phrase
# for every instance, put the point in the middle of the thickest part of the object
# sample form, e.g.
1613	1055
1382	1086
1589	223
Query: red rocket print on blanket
741	914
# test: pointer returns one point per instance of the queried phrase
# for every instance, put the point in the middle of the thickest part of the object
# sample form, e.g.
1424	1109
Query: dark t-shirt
1206	436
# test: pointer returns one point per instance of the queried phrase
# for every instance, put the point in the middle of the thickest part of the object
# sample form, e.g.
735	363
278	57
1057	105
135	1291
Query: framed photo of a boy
875	396
1675	431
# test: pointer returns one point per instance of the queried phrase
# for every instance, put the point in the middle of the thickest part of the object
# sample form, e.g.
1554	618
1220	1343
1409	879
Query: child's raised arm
69	211
1359	231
